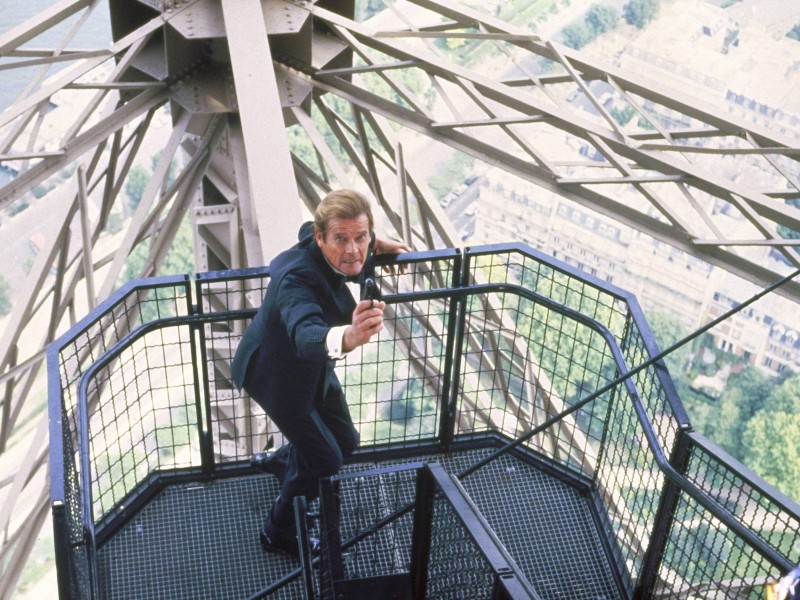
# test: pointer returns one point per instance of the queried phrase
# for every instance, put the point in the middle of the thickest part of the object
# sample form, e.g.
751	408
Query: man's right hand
367	321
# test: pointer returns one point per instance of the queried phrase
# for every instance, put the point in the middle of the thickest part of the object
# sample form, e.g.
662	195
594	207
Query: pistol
369	291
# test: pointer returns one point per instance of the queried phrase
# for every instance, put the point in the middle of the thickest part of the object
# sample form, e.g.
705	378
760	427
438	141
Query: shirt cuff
333	341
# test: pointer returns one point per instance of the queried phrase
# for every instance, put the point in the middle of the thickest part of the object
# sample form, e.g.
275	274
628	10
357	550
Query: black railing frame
196	318
665	516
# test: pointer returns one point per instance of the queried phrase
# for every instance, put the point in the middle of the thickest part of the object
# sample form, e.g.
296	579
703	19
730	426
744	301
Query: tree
451	173
180	257
577	35
785	398
745	395
667	330
728	421
640	12
771	443
601	18
138	178
755	386
17	207
172	170
178	260
5	297
622	115
794	33
368	9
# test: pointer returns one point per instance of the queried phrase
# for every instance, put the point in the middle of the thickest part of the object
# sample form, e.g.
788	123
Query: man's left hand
385	246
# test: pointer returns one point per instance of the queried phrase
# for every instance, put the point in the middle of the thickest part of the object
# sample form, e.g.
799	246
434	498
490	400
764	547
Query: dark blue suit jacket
282	360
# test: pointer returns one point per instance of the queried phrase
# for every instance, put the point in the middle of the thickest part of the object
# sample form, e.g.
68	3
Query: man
285	360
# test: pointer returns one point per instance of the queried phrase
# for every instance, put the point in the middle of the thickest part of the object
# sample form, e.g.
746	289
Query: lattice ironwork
345	105
614	450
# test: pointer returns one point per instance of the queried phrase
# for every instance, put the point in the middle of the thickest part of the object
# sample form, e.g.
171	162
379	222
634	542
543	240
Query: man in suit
285	360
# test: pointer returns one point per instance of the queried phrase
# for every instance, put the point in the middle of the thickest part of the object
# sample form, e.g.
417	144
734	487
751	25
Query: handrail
664	466
197	317
655	446
626	374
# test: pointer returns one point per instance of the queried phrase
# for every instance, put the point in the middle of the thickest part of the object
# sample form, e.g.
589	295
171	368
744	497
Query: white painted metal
232	90
272	190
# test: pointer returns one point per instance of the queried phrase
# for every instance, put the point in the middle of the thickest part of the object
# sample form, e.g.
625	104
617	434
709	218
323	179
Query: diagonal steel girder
508	108
663	159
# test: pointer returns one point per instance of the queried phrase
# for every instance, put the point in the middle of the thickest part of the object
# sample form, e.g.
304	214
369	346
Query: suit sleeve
299	297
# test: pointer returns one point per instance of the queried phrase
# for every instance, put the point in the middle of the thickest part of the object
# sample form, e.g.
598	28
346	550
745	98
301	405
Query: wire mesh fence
497	342
69	359
389	514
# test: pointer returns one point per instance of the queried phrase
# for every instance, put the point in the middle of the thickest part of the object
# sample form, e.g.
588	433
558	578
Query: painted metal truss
184	94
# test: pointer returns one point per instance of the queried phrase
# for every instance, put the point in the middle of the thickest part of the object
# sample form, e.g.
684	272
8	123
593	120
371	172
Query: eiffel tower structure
242	114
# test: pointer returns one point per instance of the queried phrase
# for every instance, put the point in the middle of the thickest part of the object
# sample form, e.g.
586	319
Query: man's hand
385	246
367	321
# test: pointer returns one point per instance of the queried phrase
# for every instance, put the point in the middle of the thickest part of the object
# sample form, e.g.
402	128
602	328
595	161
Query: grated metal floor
201	540
550	532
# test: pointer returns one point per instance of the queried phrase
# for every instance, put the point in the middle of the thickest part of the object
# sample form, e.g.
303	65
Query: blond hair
341	204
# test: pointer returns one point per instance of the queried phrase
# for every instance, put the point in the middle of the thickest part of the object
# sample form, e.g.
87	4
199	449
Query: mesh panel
238	425
79	567
704	559
86	344
395	384
523	357
544	359
198	540
395	394
538	365
547	527
457	568
144	416
762	512
365	501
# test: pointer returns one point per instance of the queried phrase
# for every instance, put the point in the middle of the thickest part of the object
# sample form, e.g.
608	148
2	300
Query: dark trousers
318	444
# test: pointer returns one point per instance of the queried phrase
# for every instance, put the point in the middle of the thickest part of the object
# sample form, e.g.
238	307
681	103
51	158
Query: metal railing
498	341
415	527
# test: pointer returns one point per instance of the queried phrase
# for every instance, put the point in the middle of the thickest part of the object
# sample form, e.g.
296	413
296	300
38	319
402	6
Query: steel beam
270	175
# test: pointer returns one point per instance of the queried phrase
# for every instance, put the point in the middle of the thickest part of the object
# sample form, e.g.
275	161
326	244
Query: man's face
346	243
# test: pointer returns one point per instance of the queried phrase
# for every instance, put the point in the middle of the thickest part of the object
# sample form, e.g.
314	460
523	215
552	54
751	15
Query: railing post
202	391
421	539
455	335
64	567
301	525
665	516
331	565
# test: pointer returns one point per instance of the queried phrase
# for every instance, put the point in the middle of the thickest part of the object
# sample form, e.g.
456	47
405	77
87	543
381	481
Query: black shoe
271	462
279	546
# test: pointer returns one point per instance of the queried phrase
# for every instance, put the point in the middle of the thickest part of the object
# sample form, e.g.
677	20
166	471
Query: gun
369	291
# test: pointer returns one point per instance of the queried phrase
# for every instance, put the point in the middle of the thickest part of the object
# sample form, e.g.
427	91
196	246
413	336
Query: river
95	32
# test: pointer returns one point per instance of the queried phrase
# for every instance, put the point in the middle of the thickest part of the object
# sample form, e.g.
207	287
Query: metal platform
201	540
608	493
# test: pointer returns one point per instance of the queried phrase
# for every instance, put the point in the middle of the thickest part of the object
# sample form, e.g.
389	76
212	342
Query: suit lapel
345	301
